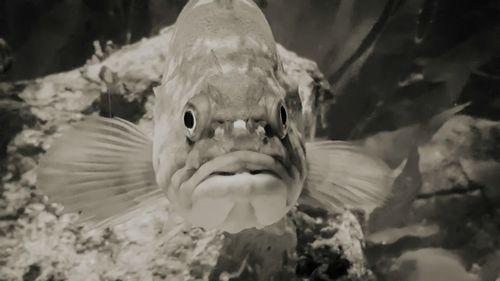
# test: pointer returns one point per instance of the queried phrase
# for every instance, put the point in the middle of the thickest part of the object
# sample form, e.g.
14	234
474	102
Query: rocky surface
39	242
450	227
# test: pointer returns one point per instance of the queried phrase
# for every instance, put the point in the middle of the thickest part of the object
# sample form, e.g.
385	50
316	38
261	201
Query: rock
394	234
266	254
485	173
456	208
330	246
405	188
491	267
14	114
430	264
304	76
460	160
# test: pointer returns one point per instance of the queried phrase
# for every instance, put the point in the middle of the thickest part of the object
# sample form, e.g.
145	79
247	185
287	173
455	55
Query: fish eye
196	116
283	115
189	119
279	123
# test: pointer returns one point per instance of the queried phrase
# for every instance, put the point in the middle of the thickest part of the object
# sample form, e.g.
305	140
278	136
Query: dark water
51	36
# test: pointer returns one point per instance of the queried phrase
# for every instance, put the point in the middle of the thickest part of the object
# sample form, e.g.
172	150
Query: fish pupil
283	115
189	120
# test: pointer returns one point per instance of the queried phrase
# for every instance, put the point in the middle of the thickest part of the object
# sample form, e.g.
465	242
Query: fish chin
239	190
233	203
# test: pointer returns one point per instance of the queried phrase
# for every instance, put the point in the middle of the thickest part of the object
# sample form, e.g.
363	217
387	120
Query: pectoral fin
344	175
102	169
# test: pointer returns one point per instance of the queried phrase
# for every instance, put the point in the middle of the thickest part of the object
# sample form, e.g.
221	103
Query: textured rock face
429	264
38	242
330	246
451	226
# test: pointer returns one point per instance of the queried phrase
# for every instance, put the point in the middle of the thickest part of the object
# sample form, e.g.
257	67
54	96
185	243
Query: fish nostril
218	132
268	130
218	127
251	125
210	132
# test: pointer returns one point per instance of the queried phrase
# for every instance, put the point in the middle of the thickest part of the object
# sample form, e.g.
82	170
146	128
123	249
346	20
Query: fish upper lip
237	162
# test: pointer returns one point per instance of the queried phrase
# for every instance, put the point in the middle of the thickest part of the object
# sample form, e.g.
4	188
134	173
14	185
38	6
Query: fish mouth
236	163
251	172
239	190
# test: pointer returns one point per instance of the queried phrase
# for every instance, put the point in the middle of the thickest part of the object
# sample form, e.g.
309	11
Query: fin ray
101	168
342	174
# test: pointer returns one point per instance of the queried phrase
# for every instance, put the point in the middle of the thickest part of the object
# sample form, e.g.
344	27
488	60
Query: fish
228	148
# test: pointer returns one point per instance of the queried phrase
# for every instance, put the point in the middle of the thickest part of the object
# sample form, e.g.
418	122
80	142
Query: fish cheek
169	150
170	161
294	144
296	152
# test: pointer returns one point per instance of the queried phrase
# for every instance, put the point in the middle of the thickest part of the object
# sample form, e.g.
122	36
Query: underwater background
417	82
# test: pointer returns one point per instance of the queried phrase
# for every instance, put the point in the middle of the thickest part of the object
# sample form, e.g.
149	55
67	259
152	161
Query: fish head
228	148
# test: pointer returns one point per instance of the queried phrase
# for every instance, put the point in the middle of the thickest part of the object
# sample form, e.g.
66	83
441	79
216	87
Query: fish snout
240	128
274	123
240	134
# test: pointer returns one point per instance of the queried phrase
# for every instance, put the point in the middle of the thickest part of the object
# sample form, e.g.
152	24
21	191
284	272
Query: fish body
228	149
240	160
